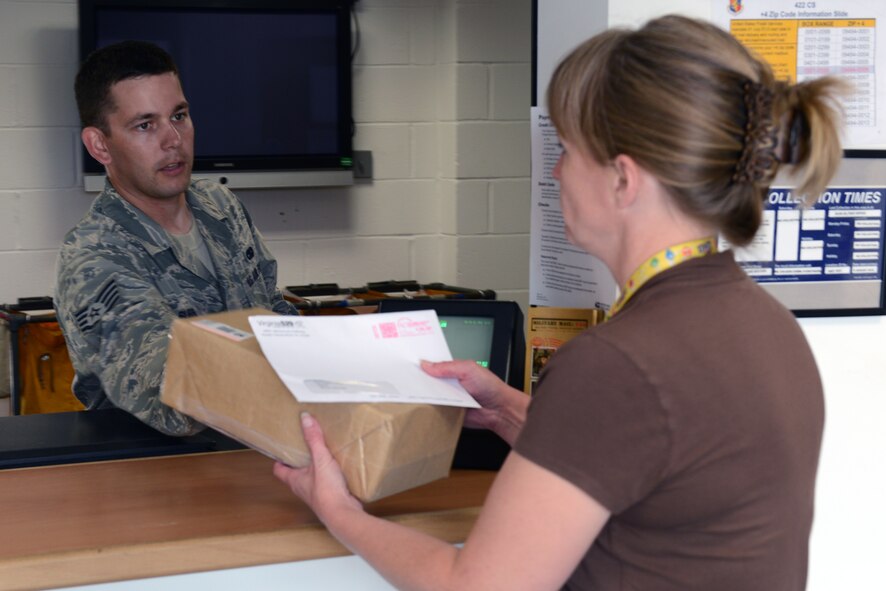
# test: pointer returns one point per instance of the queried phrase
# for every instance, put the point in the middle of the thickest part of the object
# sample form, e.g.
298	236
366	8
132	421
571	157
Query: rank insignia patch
93	312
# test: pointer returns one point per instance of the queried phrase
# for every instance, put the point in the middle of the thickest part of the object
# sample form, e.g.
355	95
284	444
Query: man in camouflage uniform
155	244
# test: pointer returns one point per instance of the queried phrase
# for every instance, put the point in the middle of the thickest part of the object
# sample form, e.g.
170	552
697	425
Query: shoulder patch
88	316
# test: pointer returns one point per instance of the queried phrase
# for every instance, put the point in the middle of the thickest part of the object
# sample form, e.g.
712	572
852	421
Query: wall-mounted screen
268	82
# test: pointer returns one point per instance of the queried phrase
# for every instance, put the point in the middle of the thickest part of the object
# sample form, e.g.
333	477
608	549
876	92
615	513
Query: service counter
82	523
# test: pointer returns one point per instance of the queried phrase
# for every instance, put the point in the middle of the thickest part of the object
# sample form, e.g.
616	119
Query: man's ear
627	180
96	144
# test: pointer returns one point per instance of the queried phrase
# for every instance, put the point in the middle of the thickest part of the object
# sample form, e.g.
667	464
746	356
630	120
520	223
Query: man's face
150	145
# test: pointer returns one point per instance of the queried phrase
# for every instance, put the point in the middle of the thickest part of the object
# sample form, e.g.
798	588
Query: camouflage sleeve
116	324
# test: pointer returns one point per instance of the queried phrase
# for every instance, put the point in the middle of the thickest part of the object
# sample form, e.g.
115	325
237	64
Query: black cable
356	45
354	49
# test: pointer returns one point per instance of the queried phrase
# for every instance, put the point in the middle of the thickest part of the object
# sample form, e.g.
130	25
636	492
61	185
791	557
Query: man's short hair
112	64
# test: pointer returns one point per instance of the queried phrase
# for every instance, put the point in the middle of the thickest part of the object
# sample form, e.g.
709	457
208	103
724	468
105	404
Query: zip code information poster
808	39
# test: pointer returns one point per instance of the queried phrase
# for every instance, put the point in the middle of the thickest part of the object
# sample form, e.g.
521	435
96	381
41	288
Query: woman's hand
321	485
503	409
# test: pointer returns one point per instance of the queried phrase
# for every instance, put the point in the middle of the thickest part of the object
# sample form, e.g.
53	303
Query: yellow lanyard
660	261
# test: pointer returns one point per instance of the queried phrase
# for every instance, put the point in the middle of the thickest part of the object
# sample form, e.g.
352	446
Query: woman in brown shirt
675	446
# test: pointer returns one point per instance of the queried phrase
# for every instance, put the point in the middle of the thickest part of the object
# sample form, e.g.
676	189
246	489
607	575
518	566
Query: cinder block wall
441	97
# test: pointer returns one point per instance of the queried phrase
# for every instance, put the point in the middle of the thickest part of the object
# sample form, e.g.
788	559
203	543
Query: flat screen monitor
469	337
490	333
268	82
480	330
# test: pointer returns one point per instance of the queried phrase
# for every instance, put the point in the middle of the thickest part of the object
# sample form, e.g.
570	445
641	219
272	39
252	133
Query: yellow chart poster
803	40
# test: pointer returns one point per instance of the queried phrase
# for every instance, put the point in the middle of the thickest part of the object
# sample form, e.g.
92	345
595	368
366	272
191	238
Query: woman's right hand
503	409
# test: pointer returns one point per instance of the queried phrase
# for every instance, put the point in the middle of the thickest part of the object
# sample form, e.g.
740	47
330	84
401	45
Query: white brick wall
360	260
393	93
37	158
491	31
465	88
441	97
494	260
509	204
508	96
391	146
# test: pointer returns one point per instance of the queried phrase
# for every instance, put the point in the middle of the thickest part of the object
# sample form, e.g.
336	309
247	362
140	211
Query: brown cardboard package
228	385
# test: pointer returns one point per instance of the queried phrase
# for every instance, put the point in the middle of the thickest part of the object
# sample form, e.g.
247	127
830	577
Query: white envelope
359	358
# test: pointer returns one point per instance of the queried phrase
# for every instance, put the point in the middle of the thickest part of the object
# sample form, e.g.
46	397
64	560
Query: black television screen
268	81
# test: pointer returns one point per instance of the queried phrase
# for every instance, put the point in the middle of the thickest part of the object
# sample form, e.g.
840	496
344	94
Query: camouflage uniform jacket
122	281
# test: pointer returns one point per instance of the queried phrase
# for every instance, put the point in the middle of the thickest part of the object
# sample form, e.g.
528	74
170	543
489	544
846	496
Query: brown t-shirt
695	417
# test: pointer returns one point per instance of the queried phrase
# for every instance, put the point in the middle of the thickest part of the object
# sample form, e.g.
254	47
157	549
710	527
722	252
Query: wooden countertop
107	521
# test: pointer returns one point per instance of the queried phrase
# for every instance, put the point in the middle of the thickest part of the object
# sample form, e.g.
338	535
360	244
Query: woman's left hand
321	484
